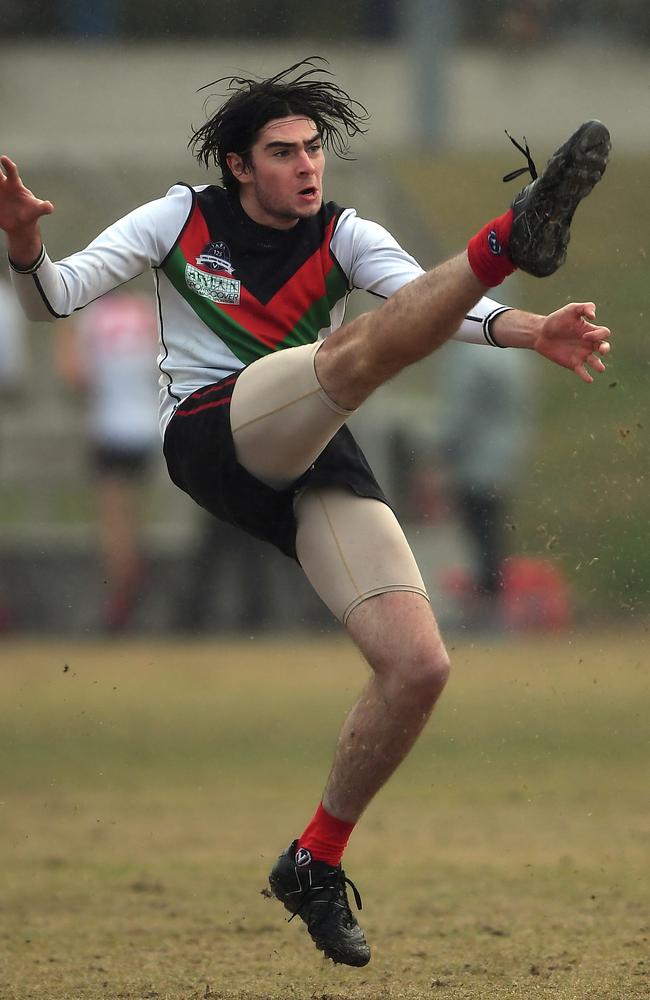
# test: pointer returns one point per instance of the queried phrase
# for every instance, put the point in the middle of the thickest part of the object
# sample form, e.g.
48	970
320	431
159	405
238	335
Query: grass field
146	789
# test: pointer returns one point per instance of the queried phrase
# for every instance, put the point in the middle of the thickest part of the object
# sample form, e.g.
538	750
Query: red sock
488	251
325	837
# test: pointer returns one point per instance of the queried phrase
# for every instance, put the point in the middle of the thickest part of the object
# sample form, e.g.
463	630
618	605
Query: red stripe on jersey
203	406
213	388
196	233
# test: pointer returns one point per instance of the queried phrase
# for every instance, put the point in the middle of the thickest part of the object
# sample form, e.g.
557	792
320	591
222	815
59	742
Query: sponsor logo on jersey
214	287
303	857
216	256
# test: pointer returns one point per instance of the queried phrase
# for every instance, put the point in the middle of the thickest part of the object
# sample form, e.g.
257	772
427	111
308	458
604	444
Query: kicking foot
542	212
316	892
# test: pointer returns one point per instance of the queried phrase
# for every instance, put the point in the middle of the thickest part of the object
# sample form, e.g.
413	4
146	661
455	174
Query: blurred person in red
108	353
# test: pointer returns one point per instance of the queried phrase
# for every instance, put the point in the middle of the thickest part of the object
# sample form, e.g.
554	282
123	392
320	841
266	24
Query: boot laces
530	164
334	884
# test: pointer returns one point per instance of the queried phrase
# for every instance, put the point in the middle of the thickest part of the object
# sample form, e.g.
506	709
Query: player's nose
305	165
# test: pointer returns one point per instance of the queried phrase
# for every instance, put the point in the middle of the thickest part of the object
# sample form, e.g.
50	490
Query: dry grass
147	788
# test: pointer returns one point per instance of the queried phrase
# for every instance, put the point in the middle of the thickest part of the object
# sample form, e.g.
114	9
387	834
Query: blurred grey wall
86	102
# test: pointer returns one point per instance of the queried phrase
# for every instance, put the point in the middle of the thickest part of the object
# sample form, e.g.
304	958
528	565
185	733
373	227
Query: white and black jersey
230	290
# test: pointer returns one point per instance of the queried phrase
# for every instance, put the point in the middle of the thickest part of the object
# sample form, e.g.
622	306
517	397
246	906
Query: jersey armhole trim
185	224
337	217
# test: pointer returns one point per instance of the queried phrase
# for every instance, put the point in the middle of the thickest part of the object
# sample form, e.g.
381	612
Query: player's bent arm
140	240
373	260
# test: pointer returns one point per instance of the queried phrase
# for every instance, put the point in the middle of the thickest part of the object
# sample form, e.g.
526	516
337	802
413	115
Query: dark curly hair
234	127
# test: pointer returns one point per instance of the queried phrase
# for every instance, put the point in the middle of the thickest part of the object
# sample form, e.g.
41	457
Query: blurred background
546	527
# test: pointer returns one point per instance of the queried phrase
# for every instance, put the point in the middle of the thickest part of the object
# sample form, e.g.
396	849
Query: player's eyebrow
280	144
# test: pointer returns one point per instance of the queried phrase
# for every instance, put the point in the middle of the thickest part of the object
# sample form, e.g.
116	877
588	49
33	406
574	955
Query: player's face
284	181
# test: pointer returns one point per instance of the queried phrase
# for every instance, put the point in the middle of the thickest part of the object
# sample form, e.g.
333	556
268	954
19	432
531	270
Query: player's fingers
585	311
596	333
594	362
9	167
582	373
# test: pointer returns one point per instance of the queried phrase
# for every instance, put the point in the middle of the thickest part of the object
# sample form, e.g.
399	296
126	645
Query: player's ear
237	167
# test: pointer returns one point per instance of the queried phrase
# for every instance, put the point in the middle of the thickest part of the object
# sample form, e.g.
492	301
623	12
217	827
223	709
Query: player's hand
569	338
20	210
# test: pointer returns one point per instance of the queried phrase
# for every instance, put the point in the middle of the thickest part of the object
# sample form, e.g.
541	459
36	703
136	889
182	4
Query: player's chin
308	207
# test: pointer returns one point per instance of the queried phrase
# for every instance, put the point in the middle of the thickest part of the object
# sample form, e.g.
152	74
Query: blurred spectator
108	352
12	381
228	582
487	413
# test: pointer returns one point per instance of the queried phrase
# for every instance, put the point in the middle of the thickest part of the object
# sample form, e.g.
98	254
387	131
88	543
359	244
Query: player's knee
362	324
433	672
423	672
347	355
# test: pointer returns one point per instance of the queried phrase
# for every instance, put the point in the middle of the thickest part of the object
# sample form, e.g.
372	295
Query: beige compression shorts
350	547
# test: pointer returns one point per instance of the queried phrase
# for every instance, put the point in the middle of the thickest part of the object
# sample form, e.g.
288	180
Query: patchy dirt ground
145	790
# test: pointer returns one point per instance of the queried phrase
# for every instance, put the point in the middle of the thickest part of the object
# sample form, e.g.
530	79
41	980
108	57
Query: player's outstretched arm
568	337
20	211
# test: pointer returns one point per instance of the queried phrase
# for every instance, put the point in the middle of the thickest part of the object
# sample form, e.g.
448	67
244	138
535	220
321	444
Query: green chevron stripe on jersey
242	342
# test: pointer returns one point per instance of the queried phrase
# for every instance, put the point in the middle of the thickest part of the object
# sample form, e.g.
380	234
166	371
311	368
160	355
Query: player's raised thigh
280	416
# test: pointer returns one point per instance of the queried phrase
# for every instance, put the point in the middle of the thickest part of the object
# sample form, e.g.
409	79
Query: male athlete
259	375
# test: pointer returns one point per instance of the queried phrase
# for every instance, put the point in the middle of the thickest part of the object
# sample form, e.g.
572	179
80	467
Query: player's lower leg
532	235
419	318
375	738
410	668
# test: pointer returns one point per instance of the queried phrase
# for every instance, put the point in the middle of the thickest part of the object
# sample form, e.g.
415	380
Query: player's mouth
310	193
